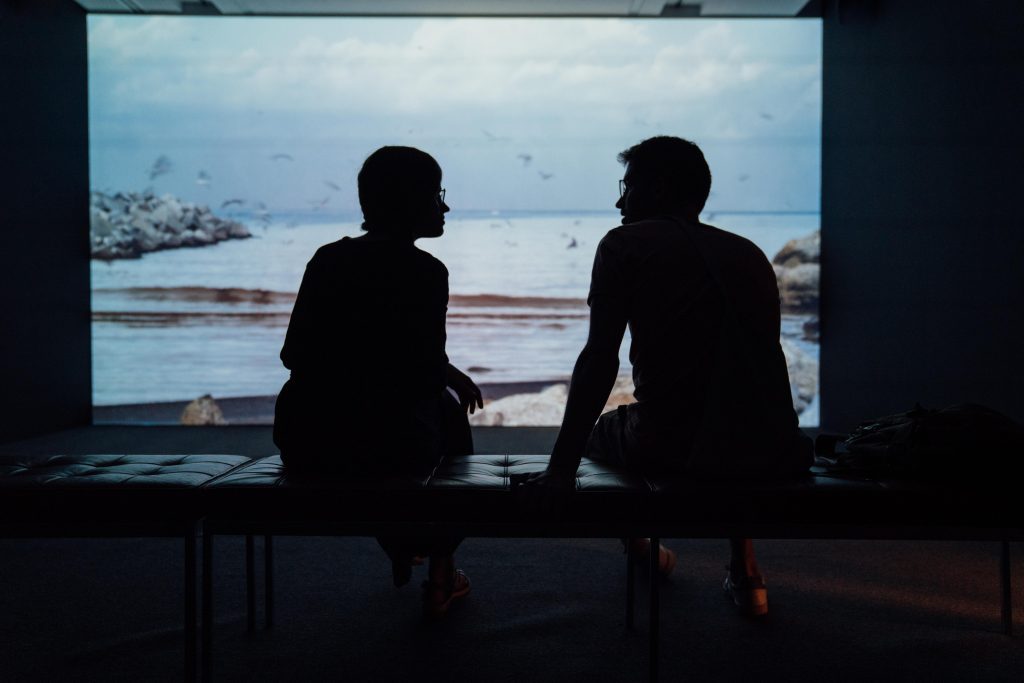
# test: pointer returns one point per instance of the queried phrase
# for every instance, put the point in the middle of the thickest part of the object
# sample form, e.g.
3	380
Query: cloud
520	67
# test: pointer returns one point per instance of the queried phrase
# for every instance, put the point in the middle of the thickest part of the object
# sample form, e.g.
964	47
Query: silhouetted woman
367	395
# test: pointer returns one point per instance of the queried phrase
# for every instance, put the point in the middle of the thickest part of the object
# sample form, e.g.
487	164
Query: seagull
545	176
527	158
333	186
282	157
492	137
261	213
573	244
226	203
203	179
161	166
766	116
318	204
744	177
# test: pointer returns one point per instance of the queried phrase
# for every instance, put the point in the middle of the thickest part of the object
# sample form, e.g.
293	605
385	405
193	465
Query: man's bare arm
592	380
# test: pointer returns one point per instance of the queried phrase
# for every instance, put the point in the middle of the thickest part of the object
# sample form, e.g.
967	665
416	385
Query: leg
744	584
1006	584
445	585
630	584
654	610
742	562
207	605
250	583
268	581
190	603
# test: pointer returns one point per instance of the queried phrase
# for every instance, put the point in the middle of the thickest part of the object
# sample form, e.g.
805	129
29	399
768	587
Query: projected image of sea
218	170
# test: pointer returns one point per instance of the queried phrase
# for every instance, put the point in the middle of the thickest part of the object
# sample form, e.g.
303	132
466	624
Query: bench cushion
81	491
264	493
476	492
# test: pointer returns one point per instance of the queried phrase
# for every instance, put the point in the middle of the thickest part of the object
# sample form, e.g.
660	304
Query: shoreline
259	410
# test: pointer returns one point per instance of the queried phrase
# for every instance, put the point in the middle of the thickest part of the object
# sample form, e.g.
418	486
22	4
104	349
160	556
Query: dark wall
44	276
922	229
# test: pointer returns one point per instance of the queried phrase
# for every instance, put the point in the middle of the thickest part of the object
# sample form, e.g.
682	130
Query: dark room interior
922	302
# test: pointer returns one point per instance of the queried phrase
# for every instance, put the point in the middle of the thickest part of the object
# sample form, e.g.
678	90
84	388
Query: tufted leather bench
472	496
114	496
173	495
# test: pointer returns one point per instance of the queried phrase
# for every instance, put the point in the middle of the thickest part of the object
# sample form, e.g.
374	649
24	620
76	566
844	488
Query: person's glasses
622	188
440	196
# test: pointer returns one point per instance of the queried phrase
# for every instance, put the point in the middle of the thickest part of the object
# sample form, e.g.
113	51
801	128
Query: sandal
748	593
437	598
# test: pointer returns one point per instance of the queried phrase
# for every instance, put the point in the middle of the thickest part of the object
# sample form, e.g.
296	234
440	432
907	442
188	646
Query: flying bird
203	179
766	116
492	137
281	157
744	177
573	244
526	158
261	213
228	202
333	186
545	176
161	166
318	204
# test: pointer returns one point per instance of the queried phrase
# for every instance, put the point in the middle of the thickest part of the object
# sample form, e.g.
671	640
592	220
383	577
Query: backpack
963	441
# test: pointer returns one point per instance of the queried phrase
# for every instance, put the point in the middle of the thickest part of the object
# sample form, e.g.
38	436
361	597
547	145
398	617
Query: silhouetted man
366	349
712	389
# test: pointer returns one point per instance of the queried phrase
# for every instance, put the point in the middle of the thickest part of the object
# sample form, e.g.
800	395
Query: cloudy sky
522	114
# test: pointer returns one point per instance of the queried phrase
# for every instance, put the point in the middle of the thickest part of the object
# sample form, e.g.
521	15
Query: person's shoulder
731	242
332	251
429	261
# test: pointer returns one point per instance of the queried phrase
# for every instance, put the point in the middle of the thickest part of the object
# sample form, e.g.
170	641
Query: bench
471	496
207	495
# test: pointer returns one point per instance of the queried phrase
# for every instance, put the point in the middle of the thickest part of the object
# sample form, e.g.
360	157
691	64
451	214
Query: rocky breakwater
130	224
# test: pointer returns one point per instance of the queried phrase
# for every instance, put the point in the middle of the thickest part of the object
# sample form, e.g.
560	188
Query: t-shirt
674	307
365	346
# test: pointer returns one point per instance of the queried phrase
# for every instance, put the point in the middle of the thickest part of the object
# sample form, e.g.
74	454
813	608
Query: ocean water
177	324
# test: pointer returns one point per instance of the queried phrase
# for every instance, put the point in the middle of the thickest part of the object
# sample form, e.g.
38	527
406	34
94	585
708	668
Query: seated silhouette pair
369	388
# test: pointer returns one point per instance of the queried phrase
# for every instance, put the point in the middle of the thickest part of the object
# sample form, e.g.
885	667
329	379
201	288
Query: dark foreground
542	610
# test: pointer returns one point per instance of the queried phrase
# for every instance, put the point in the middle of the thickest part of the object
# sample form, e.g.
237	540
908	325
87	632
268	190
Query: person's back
674	303
367	331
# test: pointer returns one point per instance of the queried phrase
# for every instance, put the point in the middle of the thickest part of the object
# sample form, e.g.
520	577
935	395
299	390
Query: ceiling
612	8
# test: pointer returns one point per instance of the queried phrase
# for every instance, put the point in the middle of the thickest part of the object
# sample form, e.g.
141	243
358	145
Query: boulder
799	287
805	249
202	411
99	223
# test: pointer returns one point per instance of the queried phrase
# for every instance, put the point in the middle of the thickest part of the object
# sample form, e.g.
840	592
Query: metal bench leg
190	604
655	577
250	583
207	605
268	580
630	584
1007	586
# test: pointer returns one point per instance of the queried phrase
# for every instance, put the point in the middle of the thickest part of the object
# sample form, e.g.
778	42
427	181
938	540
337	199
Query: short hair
392	176
677	161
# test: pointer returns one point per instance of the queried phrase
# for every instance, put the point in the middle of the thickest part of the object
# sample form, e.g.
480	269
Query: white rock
544	409
203	411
